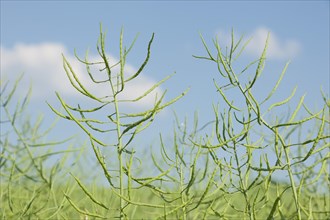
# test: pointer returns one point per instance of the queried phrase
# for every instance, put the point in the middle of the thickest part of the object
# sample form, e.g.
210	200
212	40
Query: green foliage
125	126
29	174
238	135
232	172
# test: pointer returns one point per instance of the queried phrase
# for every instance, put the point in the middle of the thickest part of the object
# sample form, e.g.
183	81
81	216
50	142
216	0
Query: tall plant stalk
125	125
248	115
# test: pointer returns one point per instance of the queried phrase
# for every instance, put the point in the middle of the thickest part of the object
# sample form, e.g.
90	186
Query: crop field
230	173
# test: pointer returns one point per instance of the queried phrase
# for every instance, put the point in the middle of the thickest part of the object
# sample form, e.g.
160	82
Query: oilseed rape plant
231	172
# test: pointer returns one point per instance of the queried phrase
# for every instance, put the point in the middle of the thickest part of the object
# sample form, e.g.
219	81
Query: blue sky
35	33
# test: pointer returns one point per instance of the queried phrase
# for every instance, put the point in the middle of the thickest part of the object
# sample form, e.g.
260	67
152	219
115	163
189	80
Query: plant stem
119	154
183	199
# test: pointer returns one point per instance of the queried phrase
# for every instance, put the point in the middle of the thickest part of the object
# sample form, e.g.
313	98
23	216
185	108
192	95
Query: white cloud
277	48
43	66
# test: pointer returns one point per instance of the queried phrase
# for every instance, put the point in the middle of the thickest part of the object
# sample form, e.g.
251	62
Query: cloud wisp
278	49
43	66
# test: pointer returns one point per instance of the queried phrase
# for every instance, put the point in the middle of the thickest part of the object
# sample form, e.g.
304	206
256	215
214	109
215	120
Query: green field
253	163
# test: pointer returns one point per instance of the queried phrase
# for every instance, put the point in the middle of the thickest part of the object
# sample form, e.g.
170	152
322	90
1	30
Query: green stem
294	190
183	199
119	152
